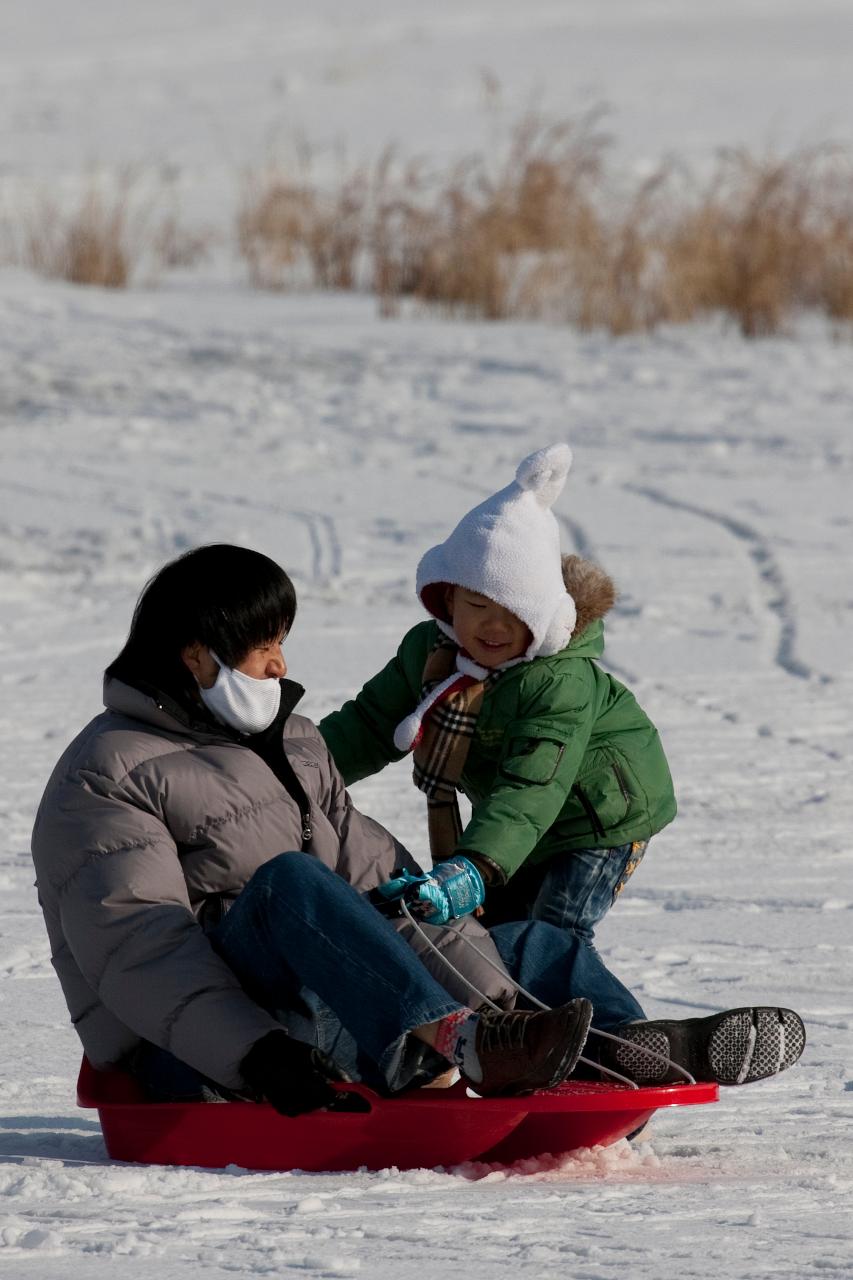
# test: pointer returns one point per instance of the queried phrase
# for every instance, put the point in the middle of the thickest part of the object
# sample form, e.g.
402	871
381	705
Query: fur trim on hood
592	590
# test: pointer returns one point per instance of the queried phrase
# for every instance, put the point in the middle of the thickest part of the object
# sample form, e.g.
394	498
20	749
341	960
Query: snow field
711	479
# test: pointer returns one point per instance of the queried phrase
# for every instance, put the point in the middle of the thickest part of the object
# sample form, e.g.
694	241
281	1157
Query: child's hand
386	897
454	888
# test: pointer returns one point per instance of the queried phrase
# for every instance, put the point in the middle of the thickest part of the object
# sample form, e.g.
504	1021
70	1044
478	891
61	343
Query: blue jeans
309	948
574	890
555	966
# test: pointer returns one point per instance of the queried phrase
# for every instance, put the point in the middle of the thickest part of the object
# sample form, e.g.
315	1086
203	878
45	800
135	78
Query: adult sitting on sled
203	877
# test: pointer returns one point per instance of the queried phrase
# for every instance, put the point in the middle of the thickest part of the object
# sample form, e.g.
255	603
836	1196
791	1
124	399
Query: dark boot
522	1051
735	1047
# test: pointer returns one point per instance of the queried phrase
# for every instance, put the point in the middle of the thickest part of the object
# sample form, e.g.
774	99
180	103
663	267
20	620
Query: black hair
228	598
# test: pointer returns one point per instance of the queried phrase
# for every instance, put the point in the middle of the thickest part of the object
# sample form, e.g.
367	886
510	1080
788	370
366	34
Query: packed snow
712	479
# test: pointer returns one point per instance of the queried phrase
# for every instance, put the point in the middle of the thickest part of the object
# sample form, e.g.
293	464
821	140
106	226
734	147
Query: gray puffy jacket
151	822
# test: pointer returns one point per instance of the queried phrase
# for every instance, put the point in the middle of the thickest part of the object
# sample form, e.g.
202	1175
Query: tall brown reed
292	233
766	237
87	246
113	231
483	244
544	231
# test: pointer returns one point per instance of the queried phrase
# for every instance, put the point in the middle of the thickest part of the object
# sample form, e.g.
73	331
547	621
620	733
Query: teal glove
452	889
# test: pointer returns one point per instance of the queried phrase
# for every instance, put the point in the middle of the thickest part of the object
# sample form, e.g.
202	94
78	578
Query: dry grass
549	234
87	246
114	232
453	240
482	245
833	266
767	236
543	232
293	234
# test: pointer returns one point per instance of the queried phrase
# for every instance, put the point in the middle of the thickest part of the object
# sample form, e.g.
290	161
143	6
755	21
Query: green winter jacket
562	756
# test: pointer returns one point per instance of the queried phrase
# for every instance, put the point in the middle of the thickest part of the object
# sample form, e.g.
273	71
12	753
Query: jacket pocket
534	760
606	796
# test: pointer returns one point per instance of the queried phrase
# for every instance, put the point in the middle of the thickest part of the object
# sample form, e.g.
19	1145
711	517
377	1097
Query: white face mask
240	701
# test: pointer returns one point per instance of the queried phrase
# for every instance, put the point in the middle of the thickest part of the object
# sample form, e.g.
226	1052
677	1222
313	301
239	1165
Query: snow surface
712	478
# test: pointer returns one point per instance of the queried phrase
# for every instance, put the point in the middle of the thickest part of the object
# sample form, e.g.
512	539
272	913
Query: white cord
615	1075
461	976
528	995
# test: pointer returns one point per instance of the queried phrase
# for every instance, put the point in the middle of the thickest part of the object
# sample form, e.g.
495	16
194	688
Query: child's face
486	630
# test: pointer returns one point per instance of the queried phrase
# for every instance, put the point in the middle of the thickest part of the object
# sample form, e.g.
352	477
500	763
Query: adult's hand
292	1076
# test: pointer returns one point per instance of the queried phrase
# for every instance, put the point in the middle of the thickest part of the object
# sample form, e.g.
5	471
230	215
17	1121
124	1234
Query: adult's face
266	662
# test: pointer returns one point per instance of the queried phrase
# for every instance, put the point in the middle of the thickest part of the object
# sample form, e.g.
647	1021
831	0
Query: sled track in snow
584	547
580	541
776	597
326	552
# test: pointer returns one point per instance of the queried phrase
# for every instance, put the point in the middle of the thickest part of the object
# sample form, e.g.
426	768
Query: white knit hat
508	548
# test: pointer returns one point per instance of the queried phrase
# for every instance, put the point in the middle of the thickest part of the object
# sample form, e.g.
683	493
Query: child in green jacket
501	697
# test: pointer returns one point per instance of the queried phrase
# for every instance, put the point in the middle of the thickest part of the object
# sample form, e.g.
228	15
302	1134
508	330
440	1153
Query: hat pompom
544	473
407	732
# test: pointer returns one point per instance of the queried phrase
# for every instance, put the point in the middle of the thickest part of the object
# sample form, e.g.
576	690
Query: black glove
292	1076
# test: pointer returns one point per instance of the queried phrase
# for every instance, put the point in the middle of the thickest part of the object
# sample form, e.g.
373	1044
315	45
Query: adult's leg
555	966
299	937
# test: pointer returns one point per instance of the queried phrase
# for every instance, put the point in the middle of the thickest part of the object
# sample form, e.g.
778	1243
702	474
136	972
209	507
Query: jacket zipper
626	794
589	810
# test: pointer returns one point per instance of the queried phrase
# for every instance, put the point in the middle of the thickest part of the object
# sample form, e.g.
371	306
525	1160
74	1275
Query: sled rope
615	1075
605	1035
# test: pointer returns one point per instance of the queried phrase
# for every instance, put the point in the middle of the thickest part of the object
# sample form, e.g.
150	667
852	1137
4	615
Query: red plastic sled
421	1129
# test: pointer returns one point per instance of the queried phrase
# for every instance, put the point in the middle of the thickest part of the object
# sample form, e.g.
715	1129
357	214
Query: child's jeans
573	890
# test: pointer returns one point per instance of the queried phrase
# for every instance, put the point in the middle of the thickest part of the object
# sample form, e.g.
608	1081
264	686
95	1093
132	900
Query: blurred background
587	153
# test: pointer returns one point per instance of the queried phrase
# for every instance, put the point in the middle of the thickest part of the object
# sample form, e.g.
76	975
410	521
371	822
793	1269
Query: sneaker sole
731	1048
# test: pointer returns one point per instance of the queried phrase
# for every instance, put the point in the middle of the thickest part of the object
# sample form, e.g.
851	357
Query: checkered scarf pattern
441	752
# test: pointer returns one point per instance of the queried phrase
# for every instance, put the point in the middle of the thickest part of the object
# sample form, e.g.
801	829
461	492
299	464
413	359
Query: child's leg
579	887
555	966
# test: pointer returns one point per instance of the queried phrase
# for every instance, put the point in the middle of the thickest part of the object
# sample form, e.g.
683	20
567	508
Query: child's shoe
735	1047
521	1051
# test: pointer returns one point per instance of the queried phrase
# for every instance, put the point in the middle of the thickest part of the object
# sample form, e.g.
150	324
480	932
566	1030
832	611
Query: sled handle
350	1089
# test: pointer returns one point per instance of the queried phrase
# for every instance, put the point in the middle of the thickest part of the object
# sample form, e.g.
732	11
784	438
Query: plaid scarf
441	749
